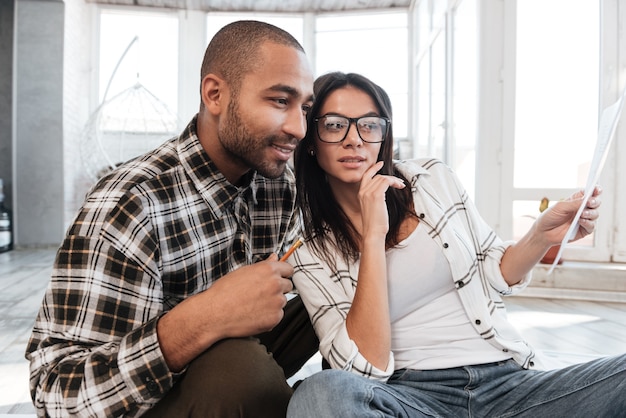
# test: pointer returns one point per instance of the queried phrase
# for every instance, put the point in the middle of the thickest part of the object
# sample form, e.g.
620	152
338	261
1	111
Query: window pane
138	89
374	45
556	92
152	59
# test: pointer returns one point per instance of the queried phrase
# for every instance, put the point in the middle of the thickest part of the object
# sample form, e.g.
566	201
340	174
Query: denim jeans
504	389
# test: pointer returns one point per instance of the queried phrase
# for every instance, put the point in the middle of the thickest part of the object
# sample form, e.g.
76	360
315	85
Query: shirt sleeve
490	244
294	231
327	296
497	279
94	349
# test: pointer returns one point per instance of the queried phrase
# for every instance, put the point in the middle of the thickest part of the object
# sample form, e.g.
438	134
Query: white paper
606	131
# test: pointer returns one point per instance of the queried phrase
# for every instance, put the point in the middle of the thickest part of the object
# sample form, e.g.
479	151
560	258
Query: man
170	268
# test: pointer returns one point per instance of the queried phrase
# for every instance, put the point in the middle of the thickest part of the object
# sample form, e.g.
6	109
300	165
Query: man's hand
245	302
250	300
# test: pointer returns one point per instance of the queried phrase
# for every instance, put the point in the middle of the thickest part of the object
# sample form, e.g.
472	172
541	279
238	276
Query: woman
402	280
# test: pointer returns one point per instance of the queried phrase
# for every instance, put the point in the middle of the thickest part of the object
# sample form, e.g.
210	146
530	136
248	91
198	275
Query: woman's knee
325	392
329	381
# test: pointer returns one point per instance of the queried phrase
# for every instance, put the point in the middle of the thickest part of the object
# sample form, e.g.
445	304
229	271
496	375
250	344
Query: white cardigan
472	249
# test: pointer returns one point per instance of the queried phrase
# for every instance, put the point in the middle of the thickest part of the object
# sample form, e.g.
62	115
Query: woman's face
345	162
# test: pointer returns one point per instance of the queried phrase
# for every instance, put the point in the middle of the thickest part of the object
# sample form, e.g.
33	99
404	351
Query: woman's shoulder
416	166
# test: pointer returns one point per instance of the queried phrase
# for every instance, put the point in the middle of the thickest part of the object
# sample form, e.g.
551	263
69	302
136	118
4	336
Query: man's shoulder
131	182
142	171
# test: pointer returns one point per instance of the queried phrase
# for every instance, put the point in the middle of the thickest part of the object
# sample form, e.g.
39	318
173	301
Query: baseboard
575	294
604	282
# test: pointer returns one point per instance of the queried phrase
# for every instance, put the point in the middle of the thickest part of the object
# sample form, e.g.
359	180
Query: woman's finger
371	172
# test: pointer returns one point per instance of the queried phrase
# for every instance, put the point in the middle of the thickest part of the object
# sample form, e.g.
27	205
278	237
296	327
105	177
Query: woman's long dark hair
319	208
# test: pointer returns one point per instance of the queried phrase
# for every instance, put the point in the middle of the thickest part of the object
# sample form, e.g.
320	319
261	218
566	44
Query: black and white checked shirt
157	230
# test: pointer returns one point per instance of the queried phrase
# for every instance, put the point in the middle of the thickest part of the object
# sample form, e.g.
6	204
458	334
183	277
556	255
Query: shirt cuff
497	279
143	365
346	348
360	365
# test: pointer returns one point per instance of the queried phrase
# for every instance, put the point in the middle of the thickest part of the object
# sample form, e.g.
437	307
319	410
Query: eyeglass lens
335	128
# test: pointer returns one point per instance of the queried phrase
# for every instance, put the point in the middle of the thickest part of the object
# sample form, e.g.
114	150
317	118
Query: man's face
266	118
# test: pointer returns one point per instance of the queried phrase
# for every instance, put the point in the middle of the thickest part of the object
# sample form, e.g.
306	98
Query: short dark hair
234	50
320	210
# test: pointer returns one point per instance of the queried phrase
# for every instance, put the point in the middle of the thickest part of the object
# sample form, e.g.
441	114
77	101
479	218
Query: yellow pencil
291	250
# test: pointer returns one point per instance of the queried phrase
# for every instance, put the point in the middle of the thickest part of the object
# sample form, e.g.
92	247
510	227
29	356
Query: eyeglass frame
350	122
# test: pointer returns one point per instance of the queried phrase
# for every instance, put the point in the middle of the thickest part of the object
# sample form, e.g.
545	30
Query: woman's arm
368	322
327	291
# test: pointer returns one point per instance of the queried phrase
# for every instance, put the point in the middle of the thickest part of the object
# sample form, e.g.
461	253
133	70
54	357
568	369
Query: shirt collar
410	168
218	192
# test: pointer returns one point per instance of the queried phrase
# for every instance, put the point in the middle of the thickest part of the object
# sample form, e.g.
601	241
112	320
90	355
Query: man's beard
247	148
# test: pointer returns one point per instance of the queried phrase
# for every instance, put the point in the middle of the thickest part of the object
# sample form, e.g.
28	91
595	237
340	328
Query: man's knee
235	377
241	370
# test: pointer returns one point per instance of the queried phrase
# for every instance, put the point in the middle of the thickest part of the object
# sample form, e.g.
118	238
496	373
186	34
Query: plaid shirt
157	230
472	249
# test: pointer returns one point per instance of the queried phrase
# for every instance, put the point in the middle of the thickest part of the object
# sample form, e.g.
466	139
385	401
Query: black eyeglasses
334	129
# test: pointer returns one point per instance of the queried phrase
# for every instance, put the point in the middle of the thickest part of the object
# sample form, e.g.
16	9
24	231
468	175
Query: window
138	87
556	104
152	59
446	79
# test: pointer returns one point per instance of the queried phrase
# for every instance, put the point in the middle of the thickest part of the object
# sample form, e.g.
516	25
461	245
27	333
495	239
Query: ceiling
292	6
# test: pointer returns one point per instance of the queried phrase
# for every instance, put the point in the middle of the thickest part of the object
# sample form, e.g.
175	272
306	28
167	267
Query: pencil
291	250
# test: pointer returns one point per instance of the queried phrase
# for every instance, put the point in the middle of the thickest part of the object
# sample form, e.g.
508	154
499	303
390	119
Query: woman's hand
375	218
554	223
549	230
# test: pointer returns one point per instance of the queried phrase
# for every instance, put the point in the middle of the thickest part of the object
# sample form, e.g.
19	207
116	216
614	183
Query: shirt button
532	364
506	350
460	284
422	216
478	322
151	385
445	245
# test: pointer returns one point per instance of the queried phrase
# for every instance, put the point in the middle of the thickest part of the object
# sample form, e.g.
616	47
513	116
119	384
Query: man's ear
214	92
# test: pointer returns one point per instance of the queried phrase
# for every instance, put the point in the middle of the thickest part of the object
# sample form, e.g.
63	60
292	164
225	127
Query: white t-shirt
426	310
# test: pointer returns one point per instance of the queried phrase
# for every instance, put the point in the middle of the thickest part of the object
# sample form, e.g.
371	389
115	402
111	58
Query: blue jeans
504	389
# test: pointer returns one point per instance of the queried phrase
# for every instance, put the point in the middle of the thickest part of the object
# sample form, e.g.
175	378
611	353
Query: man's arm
94	349
245	302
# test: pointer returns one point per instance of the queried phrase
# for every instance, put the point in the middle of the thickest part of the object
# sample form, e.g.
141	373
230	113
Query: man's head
234	50
256	89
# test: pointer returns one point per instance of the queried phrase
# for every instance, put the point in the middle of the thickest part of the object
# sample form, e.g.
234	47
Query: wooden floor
564	331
